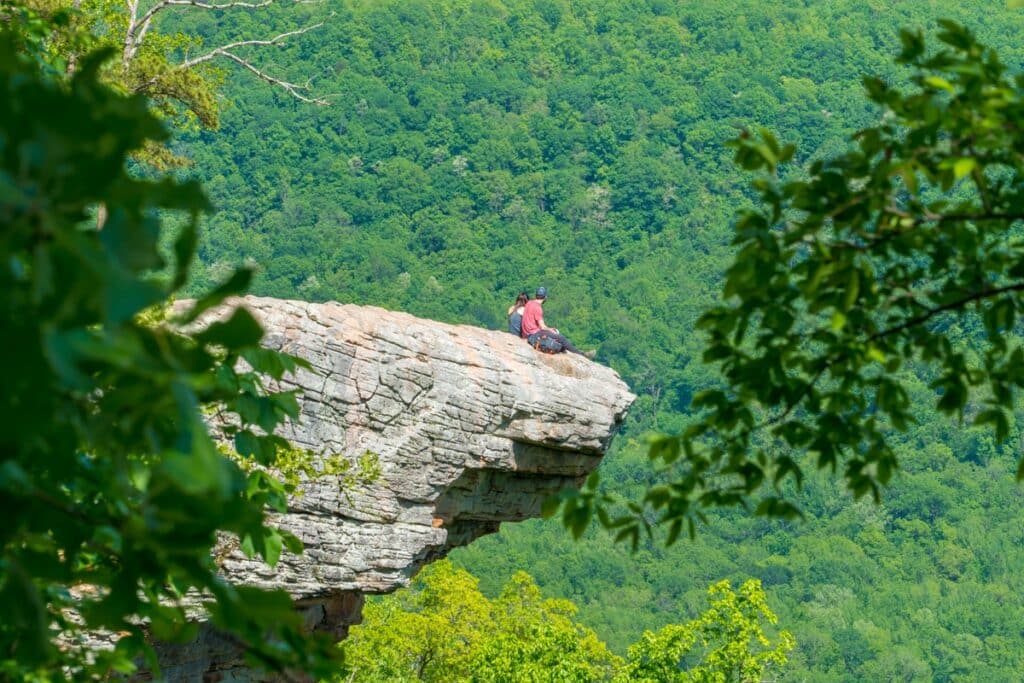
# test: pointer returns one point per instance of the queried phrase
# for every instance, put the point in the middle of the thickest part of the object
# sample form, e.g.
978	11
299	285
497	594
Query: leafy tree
726	643
537	639
428	633
443	629
115	489
845	275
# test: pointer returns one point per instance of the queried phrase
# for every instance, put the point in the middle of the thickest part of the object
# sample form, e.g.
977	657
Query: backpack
547	344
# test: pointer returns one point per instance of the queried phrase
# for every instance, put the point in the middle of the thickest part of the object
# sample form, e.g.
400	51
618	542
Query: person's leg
565	342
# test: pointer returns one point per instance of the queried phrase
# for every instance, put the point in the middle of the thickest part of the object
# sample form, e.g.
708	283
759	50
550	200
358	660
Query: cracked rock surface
472	428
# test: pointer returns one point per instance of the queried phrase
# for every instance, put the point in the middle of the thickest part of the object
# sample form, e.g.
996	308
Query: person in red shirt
533	324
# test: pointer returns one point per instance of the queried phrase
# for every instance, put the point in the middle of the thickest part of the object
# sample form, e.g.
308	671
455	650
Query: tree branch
130	44
164	4
214	5
873	240
226	52
988	216
137	29
932	312
895	329
291	88
220	51
72	64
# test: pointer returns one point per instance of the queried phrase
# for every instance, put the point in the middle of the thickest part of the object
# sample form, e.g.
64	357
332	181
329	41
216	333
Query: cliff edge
471	427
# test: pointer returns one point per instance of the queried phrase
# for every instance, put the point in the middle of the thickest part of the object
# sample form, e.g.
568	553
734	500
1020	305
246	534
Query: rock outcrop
471	428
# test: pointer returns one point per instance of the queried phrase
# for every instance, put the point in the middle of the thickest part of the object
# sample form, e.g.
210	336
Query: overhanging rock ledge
472	428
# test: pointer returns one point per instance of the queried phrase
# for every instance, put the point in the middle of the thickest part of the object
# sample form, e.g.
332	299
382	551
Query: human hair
520	302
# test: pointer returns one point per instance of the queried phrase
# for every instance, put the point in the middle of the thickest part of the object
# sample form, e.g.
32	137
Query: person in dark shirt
515	314
533	324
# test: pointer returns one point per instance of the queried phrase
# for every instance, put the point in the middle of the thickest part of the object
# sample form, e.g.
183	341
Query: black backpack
545	343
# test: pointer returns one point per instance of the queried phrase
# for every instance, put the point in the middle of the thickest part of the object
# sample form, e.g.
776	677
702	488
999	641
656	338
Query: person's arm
543	326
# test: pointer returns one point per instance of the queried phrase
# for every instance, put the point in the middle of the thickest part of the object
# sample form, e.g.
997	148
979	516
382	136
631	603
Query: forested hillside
476	148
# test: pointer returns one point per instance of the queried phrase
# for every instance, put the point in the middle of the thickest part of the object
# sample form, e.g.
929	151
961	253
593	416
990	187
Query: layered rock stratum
471	428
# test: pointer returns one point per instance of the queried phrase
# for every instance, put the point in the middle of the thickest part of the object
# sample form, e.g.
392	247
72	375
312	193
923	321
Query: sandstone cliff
471	427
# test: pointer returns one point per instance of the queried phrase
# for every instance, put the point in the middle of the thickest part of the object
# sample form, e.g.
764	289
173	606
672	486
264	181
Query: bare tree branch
130	44
137	28
163	4
219	51
69	70
291	88
210	5
225	51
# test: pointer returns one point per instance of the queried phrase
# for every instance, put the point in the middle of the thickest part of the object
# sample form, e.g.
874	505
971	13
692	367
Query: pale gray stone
472	428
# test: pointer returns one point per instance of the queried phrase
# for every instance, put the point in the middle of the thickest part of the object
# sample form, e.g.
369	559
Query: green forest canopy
479	148
474	149
443	629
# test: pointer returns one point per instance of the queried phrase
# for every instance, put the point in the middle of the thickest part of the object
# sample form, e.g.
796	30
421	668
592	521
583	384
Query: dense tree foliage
478	147
726	644
443	629
844	279
926	582
115	490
